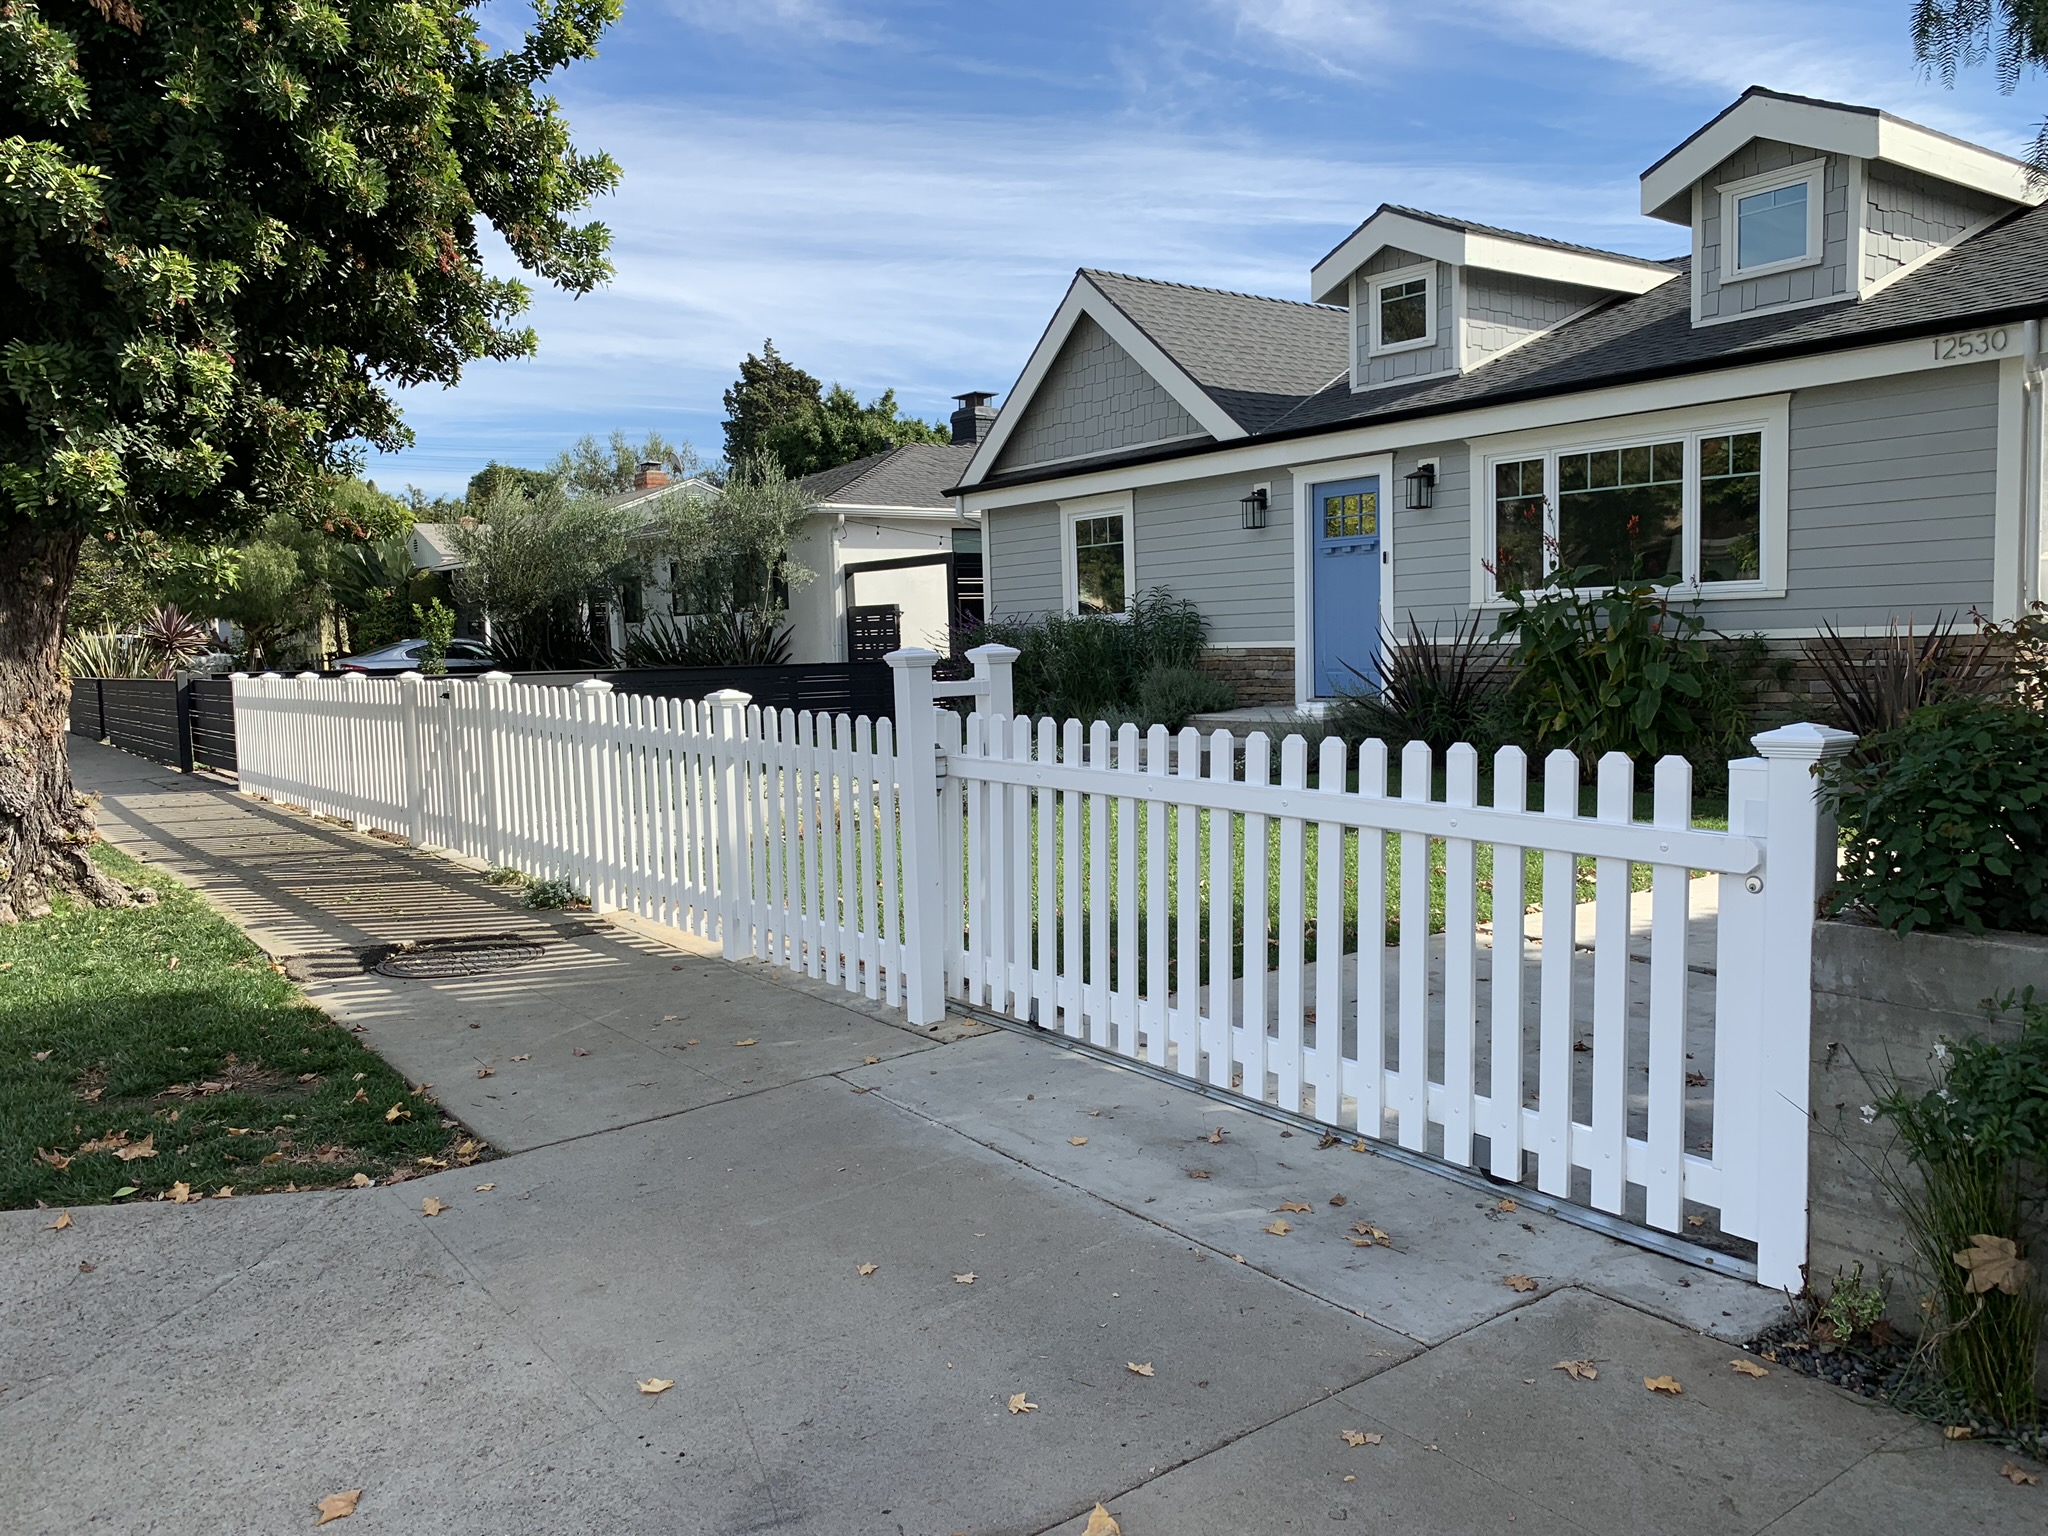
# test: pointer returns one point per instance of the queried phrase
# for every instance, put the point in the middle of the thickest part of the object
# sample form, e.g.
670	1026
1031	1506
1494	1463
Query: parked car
465	658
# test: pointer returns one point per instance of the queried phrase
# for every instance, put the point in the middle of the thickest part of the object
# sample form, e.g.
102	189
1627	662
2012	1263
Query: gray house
1828	409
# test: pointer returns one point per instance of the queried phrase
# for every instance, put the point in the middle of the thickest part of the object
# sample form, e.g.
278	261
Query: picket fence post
1799	866
411	689
916	771
734	871
596	830
994	666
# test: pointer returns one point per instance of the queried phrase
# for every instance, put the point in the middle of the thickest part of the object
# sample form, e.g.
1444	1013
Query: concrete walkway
699	1212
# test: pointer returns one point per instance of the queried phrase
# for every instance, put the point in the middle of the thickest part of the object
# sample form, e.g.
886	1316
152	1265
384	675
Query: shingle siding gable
1094	399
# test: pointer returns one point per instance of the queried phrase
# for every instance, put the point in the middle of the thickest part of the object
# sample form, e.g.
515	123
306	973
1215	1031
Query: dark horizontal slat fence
213	722
146	717
860	688
187	723
86	717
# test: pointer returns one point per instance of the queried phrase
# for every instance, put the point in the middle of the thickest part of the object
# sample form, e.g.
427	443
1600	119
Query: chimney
649	476
975	416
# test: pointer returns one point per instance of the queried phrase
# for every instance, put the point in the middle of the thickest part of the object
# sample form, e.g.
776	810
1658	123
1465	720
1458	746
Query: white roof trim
1473	248
1666	186
1084	298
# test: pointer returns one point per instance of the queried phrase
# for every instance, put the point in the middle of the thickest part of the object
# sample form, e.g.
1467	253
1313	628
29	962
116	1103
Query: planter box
1881	1003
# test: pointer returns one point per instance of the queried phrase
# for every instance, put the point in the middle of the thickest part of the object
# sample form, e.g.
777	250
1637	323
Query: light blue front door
1344	535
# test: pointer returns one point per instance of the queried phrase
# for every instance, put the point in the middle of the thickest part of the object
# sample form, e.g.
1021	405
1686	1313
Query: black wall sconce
1254	508
1421	487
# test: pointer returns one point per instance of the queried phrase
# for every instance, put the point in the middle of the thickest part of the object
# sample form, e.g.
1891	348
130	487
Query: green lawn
164	1027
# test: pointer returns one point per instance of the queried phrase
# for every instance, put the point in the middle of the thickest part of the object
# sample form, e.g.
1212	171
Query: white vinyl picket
1323	947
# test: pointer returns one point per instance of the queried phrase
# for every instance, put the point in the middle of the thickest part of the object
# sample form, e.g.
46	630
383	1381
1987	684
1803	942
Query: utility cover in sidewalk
472	955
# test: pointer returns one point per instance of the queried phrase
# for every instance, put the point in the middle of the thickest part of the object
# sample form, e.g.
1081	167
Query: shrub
1976	1139
1624	670
737	639
437	624
1434	690
1090	667
1875	691
1947	819
1168	695
553	895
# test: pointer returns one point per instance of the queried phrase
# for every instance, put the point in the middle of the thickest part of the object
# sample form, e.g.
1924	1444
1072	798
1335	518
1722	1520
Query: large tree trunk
44	827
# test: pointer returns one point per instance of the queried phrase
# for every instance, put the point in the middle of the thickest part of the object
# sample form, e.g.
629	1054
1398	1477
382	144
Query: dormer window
1402	308
1772	223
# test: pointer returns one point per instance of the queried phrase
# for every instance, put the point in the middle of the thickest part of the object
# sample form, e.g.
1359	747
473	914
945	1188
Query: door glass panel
1354	515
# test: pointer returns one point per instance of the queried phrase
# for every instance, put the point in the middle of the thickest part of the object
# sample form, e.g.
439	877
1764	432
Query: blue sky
899	193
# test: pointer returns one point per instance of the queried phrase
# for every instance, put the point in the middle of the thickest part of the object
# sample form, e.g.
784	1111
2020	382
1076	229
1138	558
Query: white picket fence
1174	900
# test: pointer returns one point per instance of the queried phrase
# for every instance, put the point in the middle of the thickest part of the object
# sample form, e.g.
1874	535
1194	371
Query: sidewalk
699	1213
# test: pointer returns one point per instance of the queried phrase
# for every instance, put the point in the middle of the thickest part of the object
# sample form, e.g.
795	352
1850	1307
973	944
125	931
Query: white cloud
823	21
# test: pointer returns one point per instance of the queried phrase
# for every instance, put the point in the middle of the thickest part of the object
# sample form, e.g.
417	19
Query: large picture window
1678	508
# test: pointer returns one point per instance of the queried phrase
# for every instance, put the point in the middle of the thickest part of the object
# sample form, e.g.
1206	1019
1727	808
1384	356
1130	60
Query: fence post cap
271	676
495	676
729	698
412	675
913	656
1804	742
345	677
993	652
592	685
238	677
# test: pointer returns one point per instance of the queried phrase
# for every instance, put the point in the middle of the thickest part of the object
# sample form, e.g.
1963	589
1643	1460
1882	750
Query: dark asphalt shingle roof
913	475
1255	357
1998	275
1473	227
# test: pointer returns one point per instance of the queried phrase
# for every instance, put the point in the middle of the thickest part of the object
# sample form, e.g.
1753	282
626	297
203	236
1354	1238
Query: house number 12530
1949	349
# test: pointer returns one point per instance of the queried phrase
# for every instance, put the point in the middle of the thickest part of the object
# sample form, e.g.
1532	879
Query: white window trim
1426	270
1072	512
1814	174
1770	415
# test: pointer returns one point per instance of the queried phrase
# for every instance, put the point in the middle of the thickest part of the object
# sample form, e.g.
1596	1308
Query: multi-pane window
1404	312
1099	568
1771	227
1354	515
1681	509
1731	507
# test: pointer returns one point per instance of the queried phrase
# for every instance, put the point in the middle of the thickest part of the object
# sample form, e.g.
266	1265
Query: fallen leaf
56	1160
1216	1137
238	1130
173	965
1356	1437
1507	1207
181	1193
125	1189
1956	1432
338	1506
1749	1368
432	1162
1102	1523
1138	1370
429	1206
1294	1206
362	1181
2018	1475
1578	1370
654	1386
225	1192
143	1148
1077	1141
63	1220
529	1056
485	1189
967	1279
1277	1228
85	1266
309	1077
397	1112
871	1061
1238	1258
738	1043
579	1051
1018	1405
362	1096
1695	1221
1994	1264
1198	1173
866	1269
1340	1199
42	1055
1668	1385
1520	1283
105	1143
486	1071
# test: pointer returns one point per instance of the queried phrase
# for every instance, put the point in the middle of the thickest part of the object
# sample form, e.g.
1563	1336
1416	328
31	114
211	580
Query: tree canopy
776	409
607	469
2010	35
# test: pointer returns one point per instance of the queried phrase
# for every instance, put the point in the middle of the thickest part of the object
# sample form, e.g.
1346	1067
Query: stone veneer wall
1260	674
1880	1005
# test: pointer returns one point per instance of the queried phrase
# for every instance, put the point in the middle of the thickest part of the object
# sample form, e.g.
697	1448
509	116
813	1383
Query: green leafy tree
536	565
731	551
838	429
768	392
2010	35
495	480
605	470
227	231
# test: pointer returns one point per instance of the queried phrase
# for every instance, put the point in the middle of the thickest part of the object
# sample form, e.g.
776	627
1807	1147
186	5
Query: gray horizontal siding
1191	539
1023	555
1891	489
1094	399
1433	549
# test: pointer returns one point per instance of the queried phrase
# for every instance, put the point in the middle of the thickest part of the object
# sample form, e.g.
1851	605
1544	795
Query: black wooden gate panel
873	632
213	722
